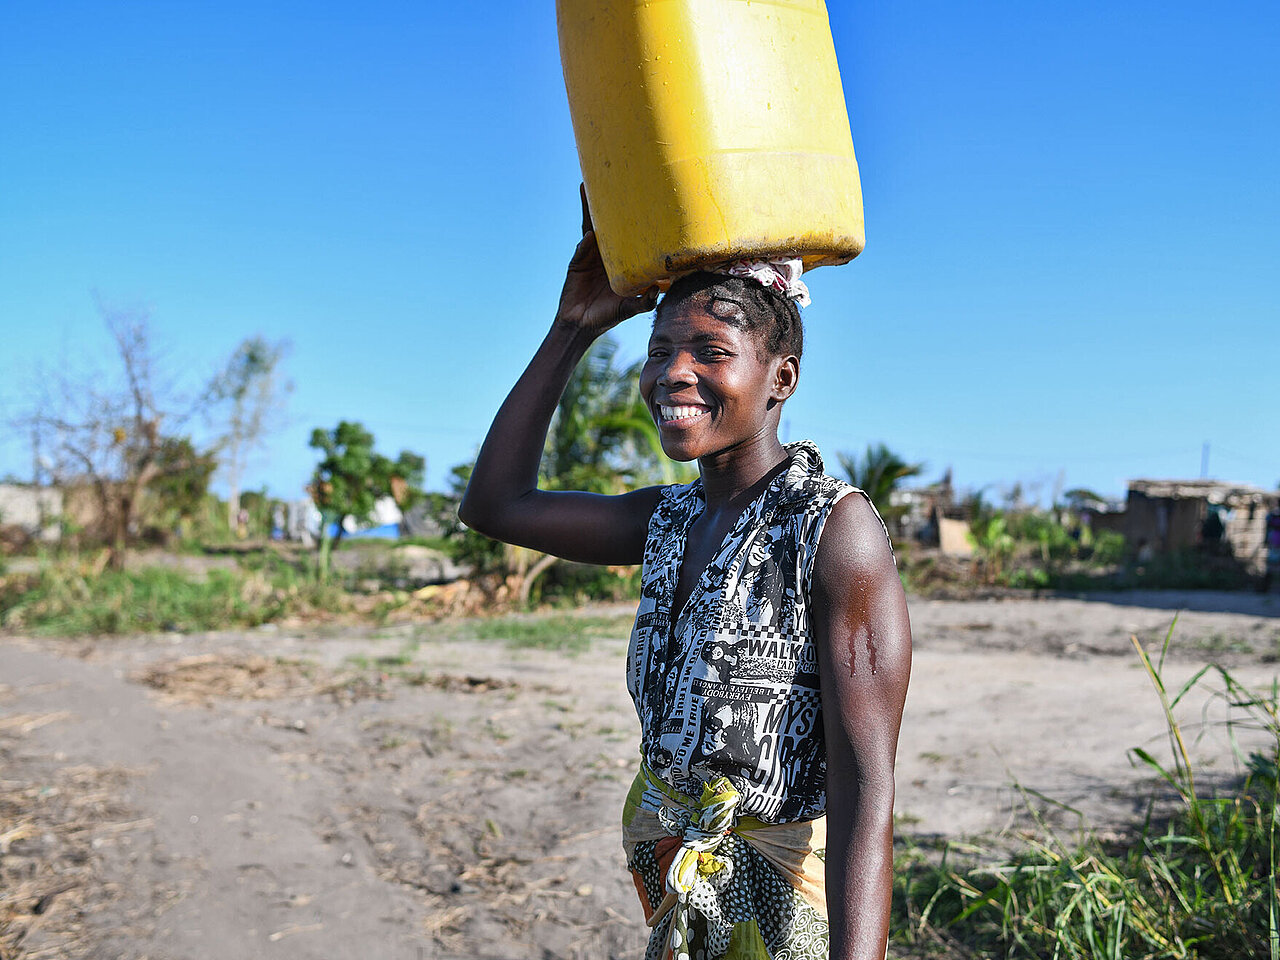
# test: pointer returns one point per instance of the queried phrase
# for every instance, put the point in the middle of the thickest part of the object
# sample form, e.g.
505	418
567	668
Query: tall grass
1196	882
63	600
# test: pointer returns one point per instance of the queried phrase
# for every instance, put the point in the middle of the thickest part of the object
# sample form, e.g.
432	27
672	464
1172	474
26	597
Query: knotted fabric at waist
698	871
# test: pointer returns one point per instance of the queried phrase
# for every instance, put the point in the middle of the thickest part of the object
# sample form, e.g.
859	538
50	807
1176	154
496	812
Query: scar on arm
861	634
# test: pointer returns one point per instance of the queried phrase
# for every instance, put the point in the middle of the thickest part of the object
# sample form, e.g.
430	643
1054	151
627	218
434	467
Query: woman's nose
677	370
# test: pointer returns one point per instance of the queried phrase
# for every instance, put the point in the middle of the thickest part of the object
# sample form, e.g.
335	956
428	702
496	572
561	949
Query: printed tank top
729	685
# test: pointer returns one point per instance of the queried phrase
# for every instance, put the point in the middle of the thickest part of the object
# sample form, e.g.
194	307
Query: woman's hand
587	302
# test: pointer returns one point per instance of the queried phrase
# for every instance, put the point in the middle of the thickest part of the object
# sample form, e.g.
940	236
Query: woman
771	651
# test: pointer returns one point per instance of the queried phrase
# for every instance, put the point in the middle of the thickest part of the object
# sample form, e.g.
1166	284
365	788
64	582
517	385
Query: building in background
1166	516
29	512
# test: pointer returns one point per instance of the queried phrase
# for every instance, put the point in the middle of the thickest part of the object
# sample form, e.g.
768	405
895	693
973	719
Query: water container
709	130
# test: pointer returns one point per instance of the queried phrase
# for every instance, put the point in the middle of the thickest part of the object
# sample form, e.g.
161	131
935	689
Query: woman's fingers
586	294
587	226
585	251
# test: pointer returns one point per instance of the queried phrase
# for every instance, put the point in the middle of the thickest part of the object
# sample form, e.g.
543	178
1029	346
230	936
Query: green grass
1181	570
1215	644
1199	882
68	598
63	600
557	632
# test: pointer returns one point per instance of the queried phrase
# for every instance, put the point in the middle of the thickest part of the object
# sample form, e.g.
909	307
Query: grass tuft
1200	883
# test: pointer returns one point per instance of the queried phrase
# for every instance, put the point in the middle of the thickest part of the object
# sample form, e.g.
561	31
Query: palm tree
878	473
602	439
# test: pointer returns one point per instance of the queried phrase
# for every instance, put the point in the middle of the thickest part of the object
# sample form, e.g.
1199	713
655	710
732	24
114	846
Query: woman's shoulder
855	541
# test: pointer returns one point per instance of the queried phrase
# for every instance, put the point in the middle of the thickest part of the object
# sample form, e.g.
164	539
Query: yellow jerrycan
709	131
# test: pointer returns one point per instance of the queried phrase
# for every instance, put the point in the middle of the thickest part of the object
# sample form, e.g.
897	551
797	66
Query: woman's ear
785	377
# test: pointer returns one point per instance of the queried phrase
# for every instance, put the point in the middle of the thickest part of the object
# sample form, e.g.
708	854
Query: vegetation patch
562	632
1198	883
66	599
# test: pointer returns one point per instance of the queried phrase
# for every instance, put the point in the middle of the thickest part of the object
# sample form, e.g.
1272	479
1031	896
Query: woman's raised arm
502	499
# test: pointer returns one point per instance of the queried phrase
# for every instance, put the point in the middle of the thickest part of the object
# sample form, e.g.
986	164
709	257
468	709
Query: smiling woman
771	649
719	351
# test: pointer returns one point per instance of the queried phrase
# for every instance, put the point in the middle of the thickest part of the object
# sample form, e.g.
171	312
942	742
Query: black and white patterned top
729	685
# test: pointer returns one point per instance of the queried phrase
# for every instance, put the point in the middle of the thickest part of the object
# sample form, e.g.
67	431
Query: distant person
1212	529
769	659
1272	575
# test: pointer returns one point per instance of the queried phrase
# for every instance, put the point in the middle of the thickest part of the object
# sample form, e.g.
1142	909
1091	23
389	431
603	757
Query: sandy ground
287	794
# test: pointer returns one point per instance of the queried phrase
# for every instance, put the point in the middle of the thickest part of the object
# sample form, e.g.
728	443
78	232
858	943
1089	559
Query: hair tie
782	275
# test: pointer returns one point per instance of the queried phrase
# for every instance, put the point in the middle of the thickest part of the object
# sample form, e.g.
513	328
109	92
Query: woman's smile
681	414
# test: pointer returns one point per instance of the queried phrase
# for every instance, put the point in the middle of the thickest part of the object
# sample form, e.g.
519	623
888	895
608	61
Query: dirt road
412	793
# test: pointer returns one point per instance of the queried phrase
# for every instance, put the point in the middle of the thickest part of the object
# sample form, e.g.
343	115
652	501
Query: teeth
678	413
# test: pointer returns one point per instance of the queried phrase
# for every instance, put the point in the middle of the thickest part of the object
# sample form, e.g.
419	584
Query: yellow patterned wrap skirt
717	886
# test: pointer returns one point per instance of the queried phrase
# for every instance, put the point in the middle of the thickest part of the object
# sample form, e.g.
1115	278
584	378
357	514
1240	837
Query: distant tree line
124	436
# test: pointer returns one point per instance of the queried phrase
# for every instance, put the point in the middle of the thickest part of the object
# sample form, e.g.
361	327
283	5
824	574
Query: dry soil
409	793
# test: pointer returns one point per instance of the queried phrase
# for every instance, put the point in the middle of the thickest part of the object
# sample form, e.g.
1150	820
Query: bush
579	583
1108	547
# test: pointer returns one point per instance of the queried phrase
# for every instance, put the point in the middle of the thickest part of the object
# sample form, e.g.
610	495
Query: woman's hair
771	317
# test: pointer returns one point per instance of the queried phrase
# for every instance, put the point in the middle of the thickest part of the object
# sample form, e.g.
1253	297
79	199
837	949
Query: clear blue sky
1072	222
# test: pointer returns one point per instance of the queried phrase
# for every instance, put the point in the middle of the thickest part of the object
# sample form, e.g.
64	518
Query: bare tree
245	396
107	431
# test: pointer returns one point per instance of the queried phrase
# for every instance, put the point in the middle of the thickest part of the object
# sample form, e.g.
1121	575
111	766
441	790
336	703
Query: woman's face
708	383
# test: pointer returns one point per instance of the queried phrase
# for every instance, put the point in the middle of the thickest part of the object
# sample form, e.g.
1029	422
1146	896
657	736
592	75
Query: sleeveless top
729	685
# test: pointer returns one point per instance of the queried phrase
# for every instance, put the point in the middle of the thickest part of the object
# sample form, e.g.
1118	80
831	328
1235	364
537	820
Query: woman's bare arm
864	655
502	499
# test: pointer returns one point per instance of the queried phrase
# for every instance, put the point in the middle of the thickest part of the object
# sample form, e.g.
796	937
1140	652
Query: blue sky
1071	223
